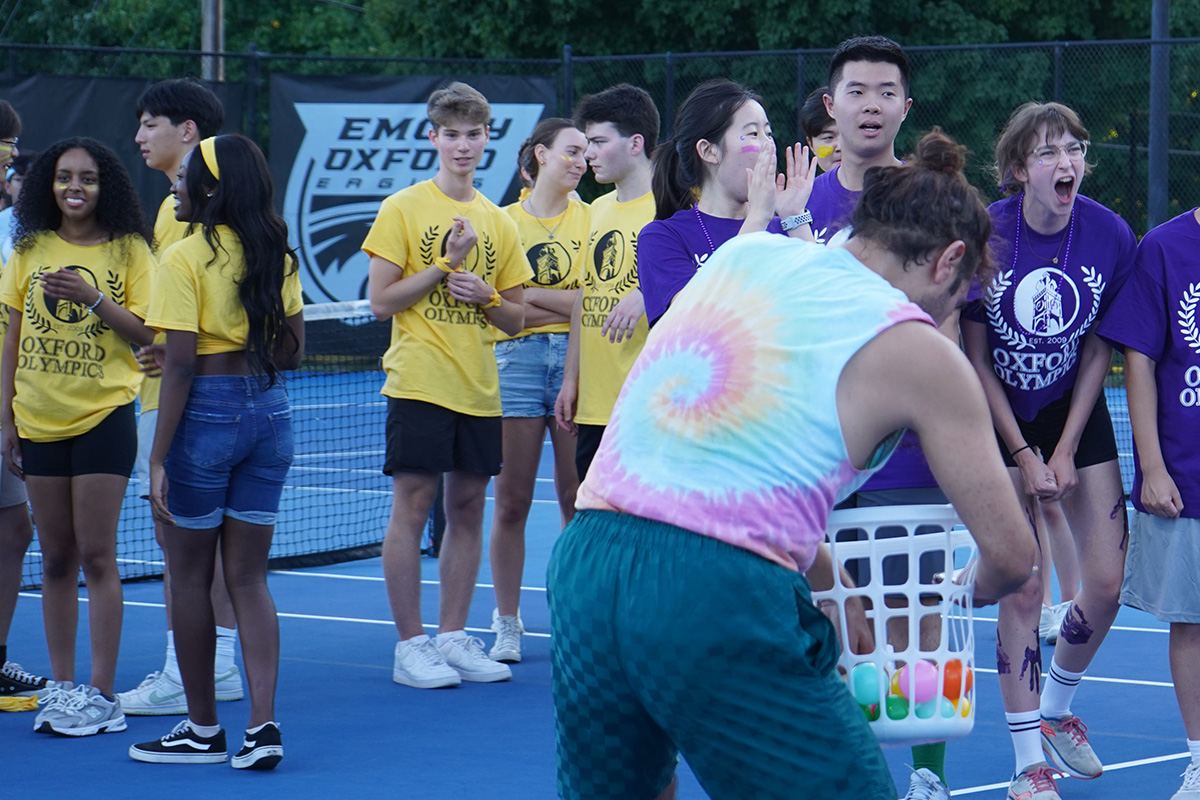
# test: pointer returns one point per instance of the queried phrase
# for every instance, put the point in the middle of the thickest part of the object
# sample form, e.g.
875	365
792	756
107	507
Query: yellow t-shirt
73	368
443	351
610	273
167	231
196	290
554	248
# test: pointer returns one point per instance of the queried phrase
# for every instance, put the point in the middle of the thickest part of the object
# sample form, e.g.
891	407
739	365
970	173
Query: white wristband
793	222
99	300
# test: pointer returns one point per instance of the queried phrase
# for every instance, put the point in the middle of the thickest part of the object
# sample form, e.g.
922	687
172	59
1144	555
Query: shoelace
921	788
179	731
75	699
56	697
1075	727
1042	779
18	673
474	647
149	680
1191	778
429	655
510	630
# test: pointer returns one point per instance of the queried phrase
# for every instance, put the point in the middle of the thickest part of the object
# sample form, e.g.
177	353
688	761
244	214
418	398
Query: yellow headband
208	151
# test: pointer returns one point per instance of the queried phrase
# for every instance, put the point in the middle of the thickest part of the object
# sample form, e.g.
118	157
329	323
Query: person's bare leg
193	553
1062	545
244	549
458	564
412	498
566	476
50	500
96	508
16	533
522	437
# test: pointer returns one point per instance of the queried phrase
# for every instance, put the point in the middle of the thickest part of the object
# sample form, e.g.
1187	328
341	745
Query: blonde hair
1013	146
458	101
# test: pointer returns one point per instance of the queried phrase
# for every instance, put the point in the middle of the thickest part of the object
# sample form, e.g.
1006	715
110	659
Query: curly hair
118	210
243	199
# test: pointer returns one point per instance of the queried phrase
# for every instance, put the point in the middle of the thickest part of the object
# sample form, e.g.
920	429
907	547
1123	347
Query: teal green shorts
664	642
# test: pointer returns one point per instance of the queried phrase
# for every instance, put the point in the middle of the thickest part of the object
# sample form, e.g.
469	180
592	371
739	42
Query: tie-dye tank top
727	425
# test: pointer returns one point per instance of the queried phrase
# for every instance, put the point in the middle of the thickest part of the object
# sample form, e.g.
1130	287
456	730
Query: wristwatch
791	223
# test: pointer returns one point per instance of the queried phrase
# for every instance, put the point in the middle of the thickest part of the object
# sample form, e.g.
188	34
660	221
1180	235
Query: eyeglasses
1049	154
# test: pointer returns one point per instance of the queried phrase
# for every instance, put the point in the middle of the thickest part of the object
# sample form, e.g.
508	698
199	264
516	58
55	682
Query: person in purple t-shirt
713	179
1154	320
1032	337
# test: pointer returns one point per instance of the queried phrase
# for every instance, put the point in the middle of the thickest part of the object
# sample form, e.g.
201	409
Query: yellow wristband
495	301
443	264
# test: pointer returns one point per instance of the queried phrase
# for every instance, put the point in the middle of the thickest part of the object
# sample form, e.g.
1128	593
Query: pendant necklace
561	217
1064	240
704	228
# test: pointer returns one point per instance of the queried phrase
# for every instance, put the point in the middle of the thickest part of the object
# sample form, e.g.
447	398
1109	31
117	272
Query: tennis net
336	501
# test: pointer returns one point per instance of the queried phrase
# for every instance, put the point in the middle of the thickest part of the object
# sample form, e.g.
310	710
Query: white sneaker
925	785
158	695
229	684
419	663
508	632
1051	621
1191	784
87	712
465	654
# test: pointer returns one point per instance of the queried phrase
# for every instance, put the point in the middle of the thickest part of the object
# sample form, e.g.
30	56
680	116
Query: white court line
1141	762
380	579
1113	628
1128	681
318	617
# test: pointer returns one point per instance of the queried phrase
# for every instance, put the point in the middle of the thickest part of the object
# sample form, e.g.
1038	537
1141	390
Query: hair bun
938	152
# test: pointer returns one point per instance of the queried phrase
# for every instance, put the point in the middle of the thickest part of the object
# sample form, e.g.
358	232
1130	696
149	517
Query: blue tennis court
350	731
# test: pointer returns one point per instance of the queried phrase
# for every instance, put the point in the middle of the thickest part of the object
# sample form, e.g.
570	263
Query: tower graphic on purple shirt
1047	306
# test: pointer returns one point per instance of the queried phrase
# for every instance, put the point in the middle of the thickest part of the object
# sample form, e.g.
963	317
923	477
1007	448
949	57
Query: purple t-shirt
1155	314
671	250
832	206
1036	311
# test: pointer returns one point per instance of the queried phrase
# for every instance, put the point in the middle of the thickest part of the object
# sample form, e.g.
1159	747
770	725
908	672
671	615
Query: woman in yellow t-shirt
77	288
554	232
230	302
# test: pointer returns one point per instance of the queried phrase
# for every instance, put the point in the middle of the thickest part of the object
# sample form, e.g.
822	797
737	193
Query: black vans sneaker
16	682
262	749
182	746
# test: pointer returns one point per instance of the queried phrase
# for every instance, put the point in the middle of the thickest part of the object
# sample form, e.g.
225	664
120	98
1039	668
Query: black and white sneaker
182	746
262	749
16	682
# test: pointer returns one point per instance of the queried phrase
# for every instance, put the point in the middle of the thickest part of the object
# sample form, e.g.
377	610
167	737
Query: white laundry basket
936	697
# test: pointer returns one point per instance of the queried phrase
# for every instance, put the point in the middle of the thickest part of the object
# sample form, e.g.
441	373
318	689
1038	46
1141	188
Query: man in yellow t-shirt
446	263
173	116
608	326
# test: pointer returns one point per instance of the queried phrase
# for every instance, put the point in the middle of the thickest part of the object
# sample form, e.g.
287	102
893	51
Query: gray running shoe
87	712
51	700
1065	743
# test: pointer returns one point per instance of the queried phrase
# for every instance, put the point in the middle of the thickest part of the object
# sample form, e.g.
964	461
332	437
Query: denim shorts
231	452
531	373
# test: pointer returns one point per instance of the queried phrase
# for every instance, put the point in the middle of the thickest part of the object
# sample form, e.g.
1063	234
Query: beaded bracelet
99	300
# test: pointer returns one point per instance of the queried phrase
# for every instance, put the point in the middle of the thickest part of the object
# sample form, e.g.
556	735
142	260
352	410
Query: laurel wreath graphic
35	317
489	255
1187	316
1000	285
428	240
1095	281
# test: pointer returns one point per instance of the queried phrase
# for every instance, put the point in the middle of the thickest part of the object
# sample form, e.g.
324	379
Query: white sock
252	731
1058	692
420	638
226	637
1194	748
171	667
1025	727
207	731
458	635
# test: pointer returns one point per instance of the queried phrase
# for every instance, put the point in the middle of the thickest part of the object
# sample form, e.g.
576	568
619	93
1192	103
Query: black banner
341	145
54	107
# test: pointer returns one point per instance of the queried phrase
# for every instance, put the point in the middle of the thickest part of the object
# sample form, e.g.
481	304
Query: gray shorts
147	421
1161	566
12	489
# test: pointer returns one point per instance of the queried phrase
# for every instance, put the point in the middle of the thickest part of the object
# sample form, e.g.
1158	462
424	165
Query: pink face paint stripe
749	148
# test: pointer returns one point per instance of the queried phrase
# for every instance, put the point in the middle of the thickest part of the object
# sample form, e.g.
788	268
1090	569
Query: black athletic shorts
1097	443
424	437
110	448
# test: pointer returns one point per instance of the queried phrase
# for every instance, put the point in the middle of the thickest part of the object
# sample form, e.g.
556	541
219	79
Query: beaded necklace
703	227
1017	243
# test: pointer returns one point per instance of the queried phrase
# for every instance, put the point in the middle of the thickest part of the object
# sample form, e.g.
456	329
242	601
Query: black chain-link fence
968	90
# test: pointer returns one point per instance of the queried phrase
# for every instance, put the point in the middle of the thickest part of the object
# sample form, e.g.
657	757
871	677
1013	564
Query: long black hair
243	200
706	114
118	209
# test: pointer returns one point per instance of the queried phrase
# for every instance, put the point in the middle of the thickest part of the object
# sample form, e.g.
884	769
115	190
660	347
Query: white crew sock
1025	727
226	637
171	666
207	731
1058	692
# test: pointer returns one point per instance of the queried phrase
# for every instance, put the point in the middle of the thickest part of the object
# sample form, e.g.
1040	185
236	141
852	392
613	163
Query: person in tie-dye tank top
780	378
